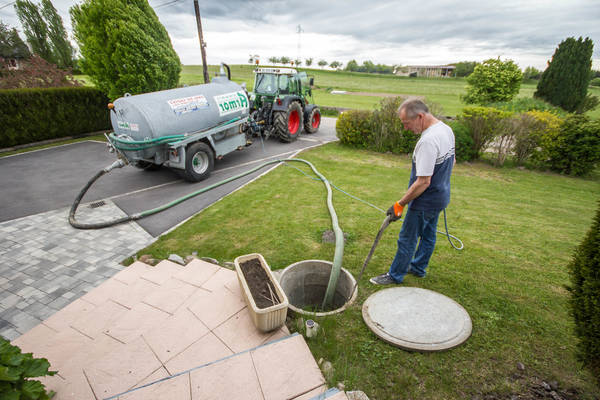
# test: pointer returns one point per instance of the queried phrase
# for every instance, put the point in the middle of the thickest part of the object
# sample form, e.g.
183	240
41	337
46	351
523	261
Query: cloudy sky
404	32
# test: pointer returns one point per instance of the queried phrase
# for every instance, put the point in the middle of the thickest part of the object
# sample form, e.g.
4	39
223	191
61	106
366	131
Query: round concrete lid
416	319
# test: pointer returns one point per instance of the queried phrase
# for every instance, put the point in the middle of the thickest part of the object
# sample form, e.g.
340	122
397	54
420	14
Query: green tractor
279	104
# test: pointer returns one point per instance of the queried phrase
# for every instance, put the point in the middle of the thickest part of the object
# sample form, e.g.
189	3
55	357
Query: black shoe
383	279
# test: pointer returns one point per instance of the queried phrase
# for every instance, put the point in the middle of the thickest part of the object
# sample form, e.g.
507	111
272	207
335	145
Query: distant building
427	71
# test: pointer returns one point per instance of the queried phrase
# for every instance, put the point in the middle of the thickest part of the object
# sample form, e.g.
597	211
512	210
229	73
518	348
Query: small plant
15	368
585	297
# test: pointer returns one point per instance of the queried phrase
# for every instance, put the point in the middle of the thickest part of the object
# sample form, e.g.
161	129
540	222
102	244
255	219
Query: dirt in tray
259	284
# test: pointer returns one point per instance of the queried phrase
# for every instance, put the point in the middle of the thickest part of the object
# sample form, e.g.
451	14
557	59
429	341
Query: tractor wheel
199	162
312	123
288	124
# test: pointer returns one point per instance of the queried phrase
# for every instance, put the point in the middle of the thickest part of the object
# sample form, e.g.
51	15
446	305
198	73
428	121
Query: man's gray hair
412	107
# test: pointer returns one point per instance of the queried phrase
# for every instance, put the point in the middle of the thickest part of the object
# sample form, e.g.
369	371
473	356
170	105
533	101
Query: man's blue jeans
417	225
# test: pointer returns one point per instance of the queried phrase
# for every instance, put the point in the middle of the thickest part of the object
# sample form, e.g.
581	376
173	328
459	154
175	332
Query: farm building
427	71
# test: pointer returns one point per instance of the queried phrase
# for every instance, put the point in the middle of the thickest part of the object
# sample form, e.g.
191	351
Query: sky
408	32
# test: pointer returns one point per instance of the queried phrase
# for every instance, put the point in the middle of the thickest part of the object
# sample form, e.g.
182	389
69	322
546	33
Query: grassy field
444	91
519	228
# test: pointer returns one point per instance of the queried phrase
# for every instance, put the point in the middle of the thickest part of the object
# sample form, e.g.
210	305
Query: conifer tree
565	81
35	28
124	47
585	297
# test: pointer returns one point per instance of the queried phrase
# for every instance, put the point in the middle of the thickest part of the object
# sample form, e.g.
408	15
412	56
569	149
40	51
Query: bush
484	124
536	127
31	115
15	368
585	297
463	142
575	149
524	104
595	82
388	132
354	128
493	80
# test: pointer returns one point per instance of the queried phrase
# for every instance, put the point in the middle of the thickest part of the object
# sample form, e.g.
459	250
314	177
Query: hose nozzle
117	164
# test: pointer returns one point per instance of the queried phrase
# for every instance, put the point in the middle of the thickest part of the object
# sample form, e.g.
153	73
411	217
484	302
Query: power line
166	4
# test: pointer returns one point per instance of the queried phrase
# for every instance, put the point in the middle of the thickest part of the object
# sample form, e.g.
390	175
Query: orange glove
395	211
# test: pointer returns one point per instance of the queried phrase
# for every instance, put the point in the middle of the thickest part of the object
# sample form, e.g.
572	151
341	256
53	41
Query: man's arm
415	189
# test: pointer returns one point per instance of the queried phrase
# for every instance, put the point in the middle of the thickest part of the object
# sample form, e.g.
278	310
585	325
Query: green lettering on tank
243	100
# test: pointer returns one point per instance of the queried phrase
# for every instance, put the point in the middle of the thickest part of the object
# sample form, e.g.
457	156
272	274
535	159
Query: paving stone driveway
46	264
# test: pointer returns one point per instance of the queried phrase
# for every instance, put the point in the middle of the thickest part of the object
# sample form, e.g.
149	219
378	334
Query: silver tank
179	111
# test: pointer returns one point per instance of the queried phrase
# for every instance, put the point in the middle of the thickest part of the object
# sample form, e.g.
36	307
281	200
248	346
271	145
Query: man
427	195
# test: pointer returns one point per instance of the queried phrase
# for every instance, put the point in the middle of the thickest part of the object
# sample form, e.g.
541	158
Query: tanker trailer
184	128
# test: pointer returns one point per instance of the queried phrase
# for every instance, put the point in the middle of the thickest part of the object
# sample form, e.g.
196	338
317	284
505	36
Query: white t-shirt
435	146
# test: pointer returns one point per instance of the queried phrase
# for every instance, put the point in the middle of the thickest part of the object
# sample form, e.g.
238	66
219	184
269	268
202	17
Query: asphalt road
49	179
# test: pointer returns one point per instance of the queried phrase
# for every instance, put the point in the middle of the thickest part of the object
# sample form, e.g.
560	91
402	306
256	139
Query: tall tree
124	47
465	68
61	47
493	80
35	28
11	44
308	62
565	81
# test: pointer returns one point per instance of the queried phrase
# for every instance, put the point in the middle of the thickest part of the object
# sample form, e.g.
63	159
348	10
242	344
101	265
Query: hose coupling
117	164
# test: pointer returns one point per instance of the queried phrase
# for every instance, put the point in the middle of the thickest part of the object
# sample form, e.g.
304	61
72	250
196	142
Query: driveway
49	179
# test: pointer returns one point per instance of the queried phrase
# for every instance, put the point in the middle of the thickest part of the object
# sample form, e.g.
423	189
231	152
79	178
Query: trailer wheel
288	124
312	123
199	162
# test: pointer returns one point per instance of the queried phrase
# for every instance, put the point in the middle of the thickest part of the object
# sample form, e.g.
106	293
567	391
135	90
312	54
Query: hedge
32	115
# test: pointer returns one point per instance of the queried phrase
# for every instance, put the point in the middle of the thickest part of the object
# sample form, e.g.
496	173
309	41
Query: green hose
339	236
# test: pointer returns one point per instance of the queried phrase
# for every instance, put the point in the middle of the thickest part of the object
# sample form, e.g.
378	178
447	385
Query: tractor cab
279	103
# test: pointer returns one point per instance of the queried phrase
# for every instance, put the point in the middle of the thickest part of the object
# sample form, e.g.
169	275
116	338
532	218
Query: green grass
519	228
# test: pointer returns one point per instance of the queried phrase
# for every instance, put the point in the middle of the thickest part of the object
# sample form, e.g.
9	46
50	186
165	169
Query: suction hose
339	236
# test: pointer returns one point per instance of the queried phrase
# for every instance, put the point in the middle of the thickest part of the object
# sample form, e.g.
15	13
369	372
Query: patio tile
131	274
312	394
132	324
209	348
170	295
71	387
214	308
239	332
162	272
177	388
98	319
233	378
104	292
65	317
176	333
33	341
286	369
197	272
120	370
134	293
221	278
98	348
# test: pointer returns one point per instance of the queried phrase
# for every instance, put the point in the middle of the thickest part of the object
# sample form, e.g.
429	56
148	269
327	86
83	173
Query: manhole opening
305	284
97	204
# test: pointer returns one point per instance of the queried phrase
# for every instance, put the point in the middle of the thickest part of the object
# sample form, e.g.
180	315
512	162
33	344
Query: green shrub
31	115
585	297
524	104
595	82
539	130
575	149
463	142
388	132
15	368
484	124
493	80
354	128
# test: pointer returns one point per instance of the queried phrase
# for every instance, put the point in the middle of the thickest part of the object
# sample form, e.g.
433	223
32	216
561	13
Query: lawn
519	228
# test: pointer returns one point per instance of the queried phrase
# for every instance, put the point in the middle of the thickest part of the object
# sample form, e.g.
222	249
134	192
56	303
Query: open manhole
305	284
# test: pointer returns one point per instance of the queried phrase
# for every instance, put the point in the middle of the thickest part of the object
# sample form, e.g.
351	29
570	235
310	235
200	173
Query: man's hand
395	211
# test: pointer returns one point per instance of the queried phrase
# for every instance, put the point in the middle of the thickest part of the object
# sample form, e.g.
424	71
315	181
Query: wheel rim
200	163
316	120
293	122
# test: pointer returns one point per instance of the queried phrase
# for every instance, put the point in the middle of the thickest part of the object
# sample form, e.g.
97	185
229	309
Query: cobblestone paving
46	264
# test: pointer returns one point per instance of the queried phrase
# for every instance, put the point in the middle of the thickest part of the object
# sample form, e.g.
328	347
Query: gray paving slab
39	275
